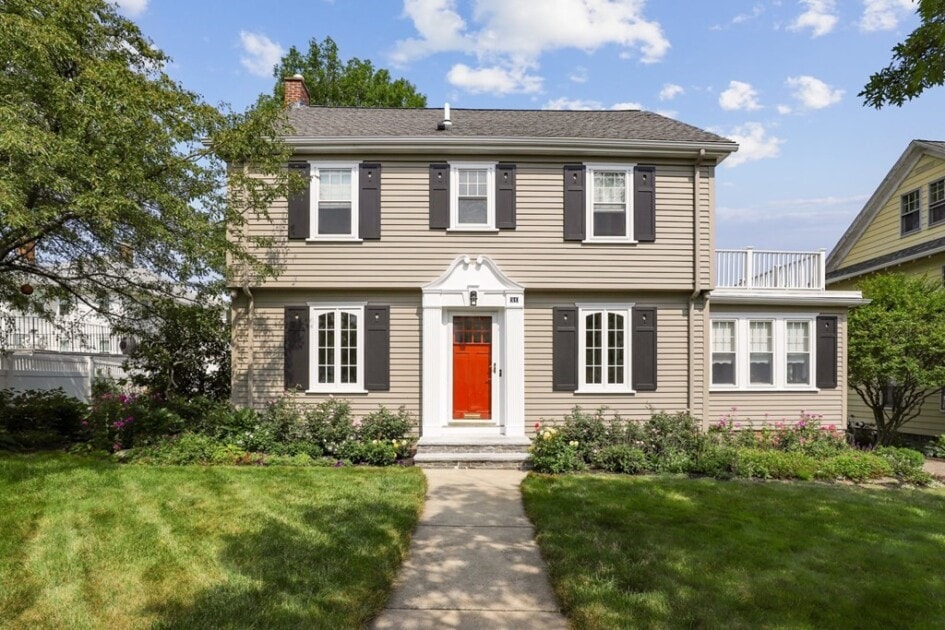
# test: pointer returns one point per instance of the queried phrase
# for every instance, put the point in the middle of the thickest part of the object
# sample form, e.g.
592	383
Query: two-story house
488	269
900	229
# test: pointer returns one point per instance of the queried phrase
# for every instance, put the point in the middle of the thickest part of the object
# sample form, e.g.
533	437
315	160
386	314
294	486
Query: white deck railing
24	332
760	269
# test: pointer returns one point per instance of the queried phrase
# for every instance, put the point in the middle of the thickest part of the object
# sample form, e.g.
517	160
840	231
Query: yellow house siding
882	236
535	255
776	406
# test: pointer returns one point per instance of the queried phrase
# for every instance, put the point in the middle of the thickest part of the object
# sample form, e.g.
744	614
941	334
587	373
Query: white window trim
625	309
489	225
918	211
589	168
313	202
936	204
743	352
315	309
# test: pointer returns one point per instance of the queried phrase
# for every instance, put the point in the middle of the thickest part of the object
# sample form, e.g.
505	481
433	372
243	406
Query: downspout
696	273
250	363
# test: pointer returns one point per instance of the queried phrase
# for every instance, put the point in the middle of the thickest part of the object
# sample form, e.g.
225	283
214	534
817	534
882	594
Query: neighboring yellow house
900	229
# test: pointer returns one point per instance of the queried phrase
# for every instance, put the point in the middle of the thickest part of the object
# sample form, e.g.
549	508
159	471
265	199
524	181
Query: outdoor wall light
473	298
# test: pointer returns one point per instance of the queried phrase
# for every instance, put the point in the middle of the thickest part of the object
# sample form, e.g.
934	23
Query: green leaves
115	171
354	83
918	63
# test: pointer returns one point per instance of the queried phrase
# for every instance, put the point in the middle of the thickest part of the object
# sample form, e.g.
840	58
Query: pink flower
357	422
85	423
537	425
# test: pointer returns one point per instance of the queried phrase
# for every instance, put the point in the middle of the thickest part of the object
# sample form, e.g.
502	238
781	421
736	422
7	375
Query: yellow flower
546	435
573	443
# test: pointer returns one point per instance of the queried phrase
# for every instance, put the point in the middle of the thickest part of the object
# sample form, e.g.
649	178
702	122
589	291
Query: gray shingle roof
879	262
324	122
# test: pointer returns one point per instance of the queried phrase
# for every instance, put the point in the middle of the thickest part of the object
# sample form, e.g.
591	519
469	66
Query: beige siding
706	242
535	255
882	235
268	353
931	420
543	404
771	407
930	266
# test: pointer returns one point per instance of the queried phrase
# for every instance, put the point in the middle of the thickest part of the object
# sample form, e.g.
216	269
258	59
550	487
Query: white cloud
784	110
669	113
512	36
579	75
494	79
131	8
820	17
670	91
813	93
739	95
755	12
884	15
586	104
754	143
803	209
261	53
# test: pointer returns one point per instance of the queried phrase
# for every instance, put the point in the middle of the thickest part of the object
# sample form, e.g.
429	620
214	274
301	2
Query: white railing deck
752	269
35	333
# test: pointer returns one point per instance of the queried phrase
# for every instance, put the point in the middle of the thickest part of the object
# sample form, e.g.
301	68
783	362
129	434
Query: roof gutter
507	145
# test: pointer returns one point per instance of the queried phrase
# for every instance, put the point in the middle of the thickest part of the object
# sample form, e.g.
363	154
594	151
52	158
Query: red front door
472	368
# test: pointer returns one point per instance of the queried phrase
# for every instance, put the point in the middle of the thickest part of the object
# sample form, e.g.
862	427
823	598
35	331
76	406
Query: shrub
589	430
192	448
385	425
715	460
328	424
621	458
373	453
552	453
857	466
906	464
671	441
768	464
936	447
300	460
40	418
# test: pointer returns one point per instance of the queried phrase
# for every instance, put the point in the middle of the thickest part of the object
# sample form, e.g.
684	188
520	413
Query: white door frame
473	286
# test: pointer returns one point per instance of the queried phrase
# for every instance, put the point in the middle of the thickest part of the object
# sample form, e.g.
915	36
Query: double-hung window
334	201
752	352
338	349
604	352
937	202
910	216
472	201
610	203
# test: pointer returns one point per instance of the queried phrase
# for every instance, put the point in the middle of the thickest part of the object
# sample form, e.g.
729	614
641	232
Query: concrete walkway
473	561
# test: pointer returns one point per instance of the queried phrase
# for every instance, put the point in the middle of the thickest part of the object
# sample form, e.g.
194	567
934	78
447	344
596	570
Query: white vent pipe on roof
447	123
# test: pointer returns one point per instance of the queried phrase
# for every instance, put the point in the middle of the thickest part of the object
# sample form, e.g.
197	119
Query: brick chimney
296	94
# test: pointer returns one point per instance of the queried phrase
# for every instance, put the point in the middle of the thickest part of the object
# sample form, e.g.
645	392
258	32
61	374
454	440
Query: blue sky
780	77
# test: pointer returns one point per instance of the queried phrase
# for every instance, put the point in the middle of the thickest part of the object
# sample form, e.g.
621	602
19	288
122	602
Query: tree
897	348
352	83
183	351
114	179
918	63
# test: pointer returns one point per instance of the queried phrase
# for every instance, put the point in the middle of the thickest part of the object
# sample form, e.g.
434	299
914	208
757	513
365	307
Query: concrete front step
496	444
453	459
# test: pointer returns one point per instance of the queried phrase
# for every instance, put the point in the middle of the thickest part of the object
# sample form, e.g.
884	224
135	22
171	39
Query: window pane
610	187
909	208
615	348
761	354
937	201
473	211
473	182
349	348
723	353
592	349
798	353
326	348
607	223
334	218
334	184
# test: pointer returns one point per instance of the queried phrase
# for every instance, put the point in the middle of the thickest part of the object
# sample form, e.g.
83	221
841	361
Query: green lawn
87	543
698	553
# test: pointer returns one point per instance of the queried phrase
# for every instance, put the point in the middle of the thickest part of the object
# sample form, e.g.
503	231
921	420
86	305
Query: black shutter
574	200
296	347
377	348
505	196
439	196
300	203
644	204
564	349
369	201
643	348
827	351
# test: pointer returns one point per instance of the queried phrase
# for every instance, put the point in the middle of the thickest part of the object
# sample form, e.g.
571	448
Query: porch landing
472	452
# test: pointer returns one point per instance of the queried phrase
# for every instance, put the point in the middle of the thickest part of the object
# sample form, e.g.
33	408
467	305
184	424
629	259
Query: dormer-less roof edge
499	145
896	175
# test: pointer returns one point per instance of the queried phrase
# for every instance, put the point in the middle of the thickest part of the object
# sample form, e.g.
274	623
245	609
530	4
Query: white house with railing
66	351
